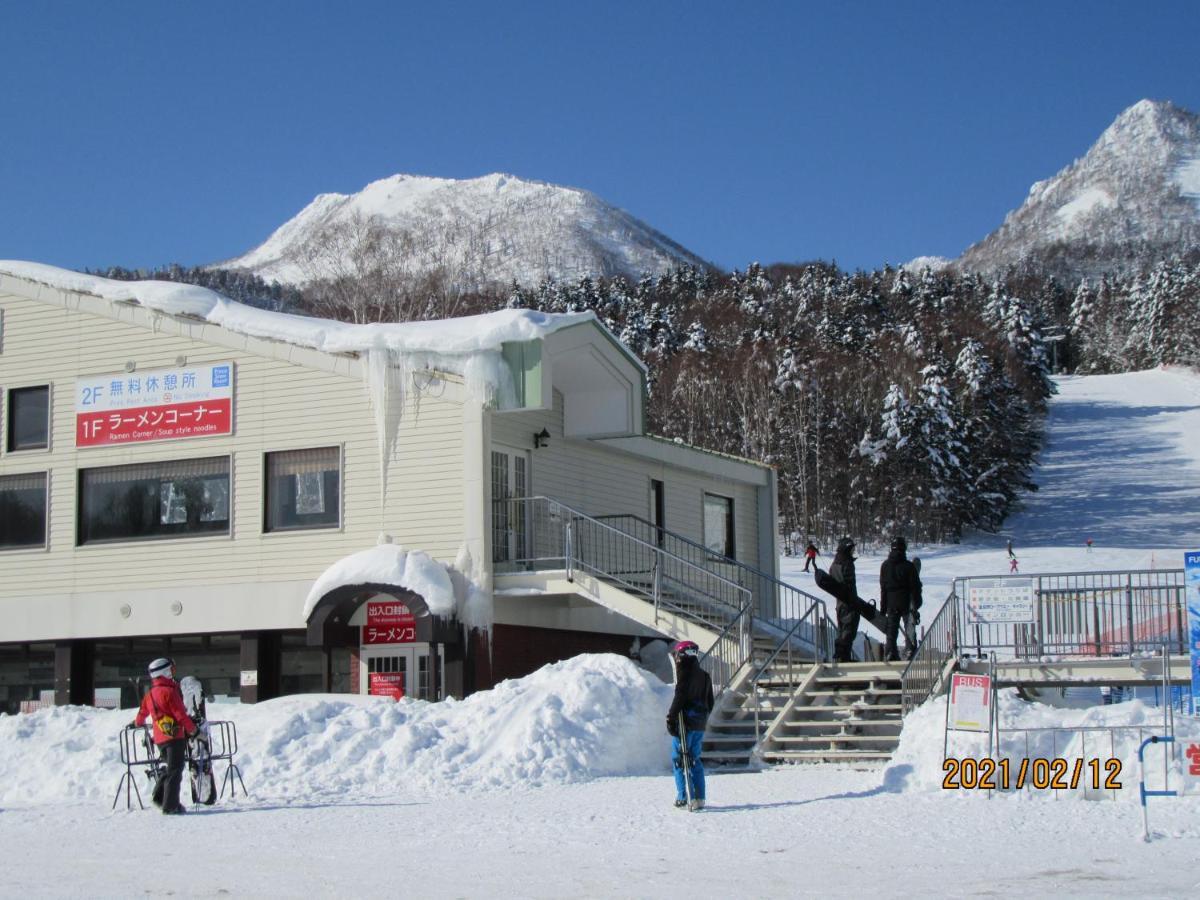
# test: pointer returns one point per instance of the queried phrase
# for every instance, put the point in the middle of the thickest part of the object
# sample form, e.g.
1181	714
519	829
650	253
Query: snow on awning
388	564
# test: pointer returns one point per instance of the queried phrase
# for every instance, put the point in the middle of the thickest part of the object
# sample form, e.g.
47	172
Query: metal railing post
1129	608
568	549
658	562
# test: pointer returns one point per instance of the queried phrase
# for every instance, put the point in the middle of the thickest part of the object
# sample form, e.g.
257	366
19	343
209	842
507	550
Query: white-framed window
718	525
23	510
177	498
303	489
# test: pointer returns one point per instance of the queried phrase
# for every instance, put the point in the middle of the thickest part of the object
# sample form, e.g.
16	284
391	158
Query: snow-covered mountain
1132	198
492	229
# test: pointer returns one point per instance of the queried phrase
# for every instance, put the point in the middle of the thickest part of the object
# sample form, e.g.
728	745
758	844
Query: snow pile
391	564
587	717
916	766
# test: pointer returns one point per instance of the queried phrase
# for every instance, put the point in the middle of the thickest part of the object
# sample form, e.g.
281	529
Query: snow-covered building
286	504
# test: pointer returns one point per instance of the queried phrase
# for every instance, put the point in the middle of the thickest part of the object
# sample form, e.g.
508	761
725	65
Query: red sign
154	405
389	622
154	423
386	684
1193	755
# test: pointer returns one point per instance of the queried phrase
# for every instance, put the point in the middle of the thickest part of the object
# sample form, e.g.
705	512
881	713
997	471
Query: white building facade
178	472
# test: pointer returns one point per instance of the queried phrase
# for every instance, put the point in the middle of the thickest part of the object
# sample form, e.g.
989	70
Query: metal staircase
767	643
842	712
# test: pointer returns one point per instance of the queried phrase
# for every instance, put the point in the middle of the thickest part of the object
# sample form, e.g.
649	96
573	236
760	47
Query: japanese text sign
970	703
386	684
154	405
389	622
1000	601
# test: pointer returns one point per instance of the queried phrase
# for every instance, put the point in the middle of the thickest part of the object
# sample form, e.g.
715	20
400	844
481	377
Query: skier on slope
694	701
899	592
810	555
172	726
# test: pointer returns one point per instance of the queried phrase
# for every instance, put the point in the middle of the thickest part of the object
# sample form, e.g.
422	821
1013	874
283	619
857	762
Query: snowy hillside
1135	193
494	229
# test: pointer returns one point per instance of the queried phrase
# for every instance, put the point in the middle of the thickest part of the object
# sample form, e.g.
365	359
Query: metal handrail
922	676
710	588
657	550
719	666
771	613
599	521
1110	613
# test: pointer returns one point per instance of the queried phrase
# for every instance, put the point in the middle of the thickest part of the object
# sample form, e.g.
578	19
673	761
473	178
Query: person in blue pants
693	701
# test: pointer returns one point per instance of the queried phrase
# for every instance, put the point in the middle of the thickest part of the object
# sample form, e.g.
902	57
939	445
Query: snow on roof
465	335
388	564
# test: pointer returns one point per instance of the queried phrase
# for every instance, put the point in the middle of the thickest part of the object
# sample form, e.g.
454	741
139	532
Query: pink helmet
685	648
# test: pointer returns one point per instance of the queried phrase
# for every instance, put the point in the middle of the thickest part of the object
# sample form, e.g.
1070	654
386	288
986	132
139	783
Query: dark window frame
45	511
730	549
150	504
268	524
10	419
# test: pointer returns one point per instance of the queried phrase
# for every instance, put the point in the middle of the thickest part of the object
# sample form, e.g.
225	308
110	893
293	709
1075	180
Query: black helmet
899	543
845	545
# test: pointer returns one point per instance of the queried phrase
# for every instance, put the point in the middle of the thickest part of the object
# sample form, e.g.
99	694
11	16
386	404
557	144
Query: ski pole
686	758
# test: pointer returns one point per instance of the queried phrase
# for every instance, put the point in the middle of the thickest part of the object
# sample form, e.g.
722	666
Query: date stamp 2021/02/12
970	774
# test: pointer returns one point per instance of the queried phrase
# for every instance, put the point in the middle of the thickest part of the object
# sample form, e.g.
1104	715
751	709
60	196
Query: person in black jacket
848	615
693	701
899	593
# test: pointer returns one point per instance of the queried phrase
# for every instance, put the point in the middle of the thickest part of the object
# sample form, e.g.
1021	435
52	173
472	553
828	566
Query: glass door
510	480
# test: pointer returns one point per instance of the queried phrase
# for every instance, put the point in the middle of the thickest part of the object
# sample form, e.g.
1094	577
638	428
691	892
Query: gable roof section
190	305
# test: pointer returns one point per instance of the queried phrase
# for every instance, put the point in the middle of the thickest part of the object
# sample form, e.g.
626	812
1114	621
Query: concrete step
897	724
827	756
724	755
852	708
879	739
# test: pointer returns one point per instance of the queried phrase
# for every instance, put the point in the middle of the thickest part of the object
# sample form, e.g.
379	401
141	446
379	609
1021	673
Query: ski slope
557	785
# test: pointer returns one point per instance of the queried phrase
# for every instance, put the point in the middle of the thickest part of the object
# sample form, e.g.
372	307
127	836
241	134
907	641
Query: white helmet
161	667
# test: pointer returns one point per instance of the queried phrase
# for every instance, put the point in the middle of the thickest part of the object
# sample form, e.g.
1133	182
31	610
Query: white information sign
1000	601
249	677
970	703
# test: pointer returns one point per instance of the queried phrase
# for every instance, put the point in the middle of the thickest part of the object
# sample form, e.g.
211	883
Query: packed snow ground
557	785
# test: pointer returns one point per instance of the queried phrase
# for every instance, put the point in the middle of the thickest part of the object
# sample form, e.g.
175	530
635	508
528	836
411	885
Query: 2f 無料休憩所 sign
154	405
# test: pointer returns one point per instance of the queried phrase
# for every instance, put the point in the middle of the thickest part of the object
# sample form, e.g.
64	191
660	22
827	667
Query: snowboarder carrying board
842	582
171	727
686	720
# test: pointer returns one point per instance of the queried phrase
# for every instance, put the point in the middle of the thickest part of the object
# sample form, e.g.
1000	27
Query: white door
395	670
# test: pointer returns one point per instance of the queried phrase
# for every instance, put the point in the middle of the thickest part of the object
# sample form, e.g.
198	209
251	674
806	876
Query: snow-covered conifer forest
887	399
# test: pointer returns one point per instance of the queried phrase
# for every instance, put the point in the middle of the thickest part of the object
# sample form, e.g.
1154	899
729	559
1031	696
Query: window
303	489
29	418
154	500
658	511
23	510
718	525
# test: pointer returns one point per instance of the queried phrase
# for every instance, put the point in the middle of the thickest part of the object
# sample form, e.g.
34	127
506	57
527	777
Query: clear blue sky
144	133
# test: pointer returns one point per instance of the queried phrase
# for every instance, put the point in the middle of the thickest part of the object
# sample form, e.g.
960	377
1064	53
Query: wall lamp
541	439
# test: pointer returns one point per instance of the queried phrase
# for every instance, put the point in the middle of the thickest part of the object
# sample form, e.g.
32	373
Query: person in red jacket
171	727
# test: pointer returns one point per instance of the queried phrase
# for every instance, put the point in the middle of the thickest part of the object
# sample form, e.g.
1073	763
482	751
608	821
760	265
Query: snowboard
831	585
204	786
